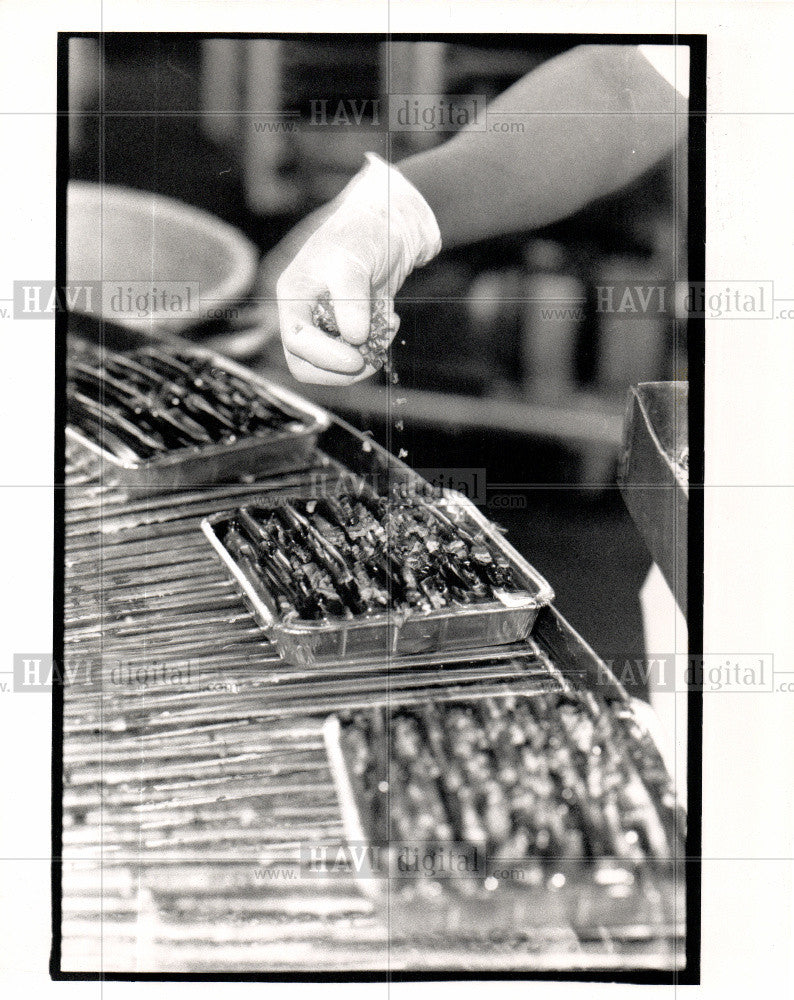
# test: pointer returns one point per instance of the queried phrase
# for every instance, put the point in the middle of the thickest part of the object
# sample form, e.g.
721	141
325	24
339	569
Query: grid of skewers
144	405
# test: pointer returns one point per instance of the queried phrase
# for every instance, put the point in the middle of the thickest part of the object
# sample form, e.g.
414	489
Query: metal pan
208	464
387	634
468	894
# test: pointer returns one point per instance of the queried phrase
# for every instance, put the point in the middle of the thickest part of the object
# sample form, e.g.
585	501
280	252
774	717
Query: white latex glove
380	230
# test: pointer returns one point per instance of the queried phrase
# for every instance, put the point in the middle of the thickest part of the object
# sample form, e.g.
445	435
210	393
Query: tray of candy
167	416
352	575
491	816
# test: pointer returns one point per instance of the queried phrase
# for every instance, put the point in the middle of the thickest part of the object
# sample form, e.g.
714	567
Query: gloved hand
379	231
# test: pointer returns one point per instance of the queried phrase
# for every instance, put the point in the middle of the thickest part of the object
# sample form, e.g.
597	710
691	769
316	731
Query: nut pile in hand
348	555
557	778
141	405
375	349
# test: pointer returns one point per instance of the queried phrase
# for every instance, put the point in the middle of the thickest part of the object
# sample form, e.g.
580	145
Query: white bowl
135	242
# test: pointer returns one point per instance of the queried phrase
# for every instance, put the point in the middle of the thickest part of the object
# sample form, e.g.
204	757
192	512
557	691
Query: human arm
582	126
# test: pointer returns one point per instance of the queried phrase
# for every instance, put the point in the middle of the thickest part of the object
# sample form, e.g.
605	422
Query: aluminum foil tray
287	447
389	633
491	817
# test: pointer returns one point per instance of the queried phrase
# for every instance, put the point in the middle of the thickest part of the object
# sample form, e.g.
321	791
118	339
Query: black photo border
690	973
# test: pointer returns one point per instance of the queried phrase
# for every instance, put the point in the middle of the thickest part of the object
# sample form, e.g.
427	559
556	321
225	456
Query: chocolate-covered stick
318	586
478	559
304	559
221	386
245	556
289	600
98	432
79	403
176	428
174	392
374	540
327	553
277	569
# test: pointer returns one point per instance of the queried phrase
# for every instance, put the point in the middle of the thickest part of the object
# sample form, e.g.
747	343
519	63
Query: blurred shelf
584	420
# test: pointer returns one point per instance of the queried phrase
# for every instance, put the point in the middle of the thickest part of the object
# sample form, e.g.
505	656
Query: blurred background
261	132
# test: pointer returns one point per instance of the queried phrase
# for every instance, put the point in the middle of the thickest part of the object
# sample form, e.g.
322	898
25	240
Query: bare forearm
580	127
